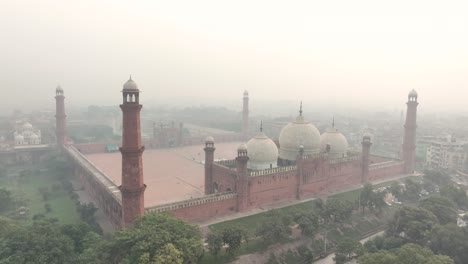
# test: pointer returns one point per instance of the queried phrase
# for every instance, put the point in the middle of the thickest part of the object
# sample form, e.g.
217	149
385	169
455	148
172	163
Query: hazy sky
342	52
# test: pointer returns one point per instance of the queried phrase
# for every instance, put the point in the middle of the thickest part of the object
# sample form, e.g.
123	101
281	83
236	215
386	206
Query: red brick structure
209	159
168	136
409	140
60	117
231	185
366	144
132	188
245	115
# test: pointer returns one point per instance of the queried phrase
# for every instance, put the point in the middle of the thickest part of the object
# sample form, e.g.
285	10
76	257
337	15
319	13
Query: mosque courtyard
171	175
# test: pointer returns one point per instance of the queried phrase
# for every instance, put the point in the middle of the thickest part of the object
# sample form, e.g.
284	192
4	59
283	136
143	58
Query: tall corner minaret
60	117
132	188
209	159
366	144
409	137
242	183
245	115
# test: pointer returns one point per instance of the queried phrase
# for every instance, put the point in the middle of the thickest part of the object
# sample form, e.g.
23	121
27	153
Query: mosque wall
199	209
105	195
267	189
101	197
385	170
224	178
90	148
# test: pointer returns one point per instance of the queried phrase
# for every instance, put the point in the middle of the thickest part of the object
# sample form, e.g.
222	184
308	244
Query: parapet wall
199	208
383	170
269	188
105	193
91	148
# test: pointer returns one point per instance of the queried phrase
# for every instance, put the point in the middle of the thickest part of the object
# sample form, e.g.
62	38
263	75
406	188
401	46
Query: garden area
41	190
300	233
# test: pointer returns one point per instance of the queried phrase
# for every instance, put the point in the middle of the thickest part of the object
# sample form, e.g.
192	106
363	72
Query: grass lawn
26	190
251	223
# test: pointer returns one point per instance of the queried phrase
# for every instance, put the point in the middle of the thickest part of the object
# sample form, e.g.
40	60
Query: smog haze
366	53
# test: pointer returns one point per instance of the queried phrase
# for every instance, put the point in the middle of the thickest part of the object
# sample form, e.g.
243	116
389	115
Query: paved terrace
171	175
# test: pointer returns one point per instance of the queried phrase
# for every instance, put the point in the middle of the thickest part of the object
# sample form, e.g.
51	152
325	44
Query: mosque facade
302	163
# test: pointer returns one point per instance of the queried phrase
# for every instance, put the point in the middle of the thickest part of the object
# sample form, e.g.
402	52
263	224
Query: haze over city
338	53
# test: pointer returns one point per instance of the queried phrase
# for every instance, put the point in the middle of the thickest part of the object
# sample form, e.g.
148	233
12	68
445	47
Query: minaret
245	115
209	159
242	185
409	139
60	117
132	187
366	144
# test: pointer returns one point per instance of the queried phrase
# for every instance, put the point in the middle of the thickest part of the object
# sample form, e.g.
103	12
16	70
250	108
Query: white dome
27	126
19	137
242	147
130	85
262	152
413	93
59	89
294	135
33	137
209	139
336	140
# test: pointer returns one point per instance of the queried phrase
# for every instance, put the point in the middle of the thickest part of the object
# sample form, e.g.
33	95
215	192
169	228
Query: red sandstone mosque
301	164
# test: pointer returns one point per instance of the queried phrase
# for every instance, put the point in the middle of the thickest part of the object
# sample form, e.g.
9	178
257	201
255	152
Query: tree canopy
149	237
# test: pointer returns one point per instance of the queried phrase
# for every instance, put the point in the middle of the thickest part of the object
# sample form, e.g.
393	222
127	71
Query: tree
450	240
436	177
149	236
366	196
413	189
396	189
308	223
336	210
6	199
274	229
232	236
40	243
408	254
215	242
168	255
381	257
346	249
456	194
411	224
444	209
415	254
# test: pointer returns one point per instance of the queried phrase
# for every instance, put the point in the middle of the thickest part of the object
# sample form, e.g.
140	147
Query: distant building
447	153
26	134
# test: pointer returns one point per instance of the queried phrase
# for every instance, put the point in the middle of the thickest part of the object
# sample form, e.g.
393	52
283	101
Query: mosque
301	164
26	134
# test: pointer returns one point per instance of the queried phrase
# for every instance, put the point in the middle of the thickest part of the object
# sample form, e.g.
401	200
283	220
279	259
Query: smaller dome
19	137
209	139
130	85
246	94
336	141
59	89
413	93
33	137
262	152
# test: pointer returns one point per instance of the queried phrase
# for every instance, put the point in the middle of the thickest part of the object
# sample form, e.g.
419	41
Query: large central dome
296	134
